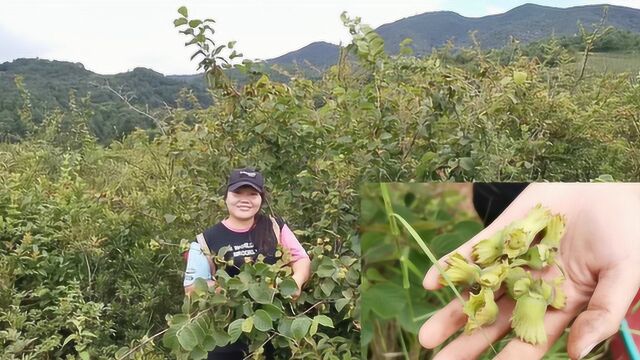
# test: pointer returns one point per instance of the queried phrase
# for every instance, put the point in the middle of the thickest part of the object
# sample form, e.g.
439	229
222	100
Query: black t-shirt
242	244
491	199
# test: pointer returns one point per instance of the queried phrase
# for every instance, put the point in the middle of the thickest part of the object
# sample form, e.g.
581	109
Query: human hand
299	282
599	253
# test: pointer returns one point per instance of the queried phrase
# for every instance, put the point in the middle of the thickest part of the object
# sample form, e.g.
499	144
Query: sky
113	36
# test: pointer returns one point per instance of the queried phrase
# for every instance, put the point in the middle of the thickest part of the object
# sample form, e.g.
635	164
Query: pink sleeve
289	241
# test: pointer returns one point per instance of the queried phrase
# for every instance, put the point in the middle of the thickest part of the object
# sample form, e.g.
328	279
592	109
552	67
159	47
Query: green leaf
326	269
198	353
200	286
209	343
84	355
319	320
247	324
324	320
222	338
284	327
313	329
187	338
194	23
259	129
466	163
235	330
262	320
395	299
223	250
275	312
340	304
183	11
288	287
327	285
261	293
179	22
170	339
300	327
169	218
186	305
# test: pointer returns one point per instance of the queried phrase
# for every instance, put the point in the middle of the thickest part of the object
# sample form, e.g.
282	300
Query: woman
249	233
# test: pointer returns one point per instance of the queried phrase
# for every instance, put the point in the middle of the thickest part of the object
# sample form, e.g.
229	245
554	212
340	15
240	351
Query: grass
610	63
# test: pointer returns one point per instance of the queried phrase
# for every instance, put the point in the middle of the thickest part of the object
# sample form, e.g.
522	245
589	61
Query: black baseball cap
245	177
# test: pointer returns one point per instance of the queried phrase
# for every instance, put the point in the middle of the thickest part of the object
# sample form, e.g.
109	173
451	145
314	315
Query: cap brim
240	184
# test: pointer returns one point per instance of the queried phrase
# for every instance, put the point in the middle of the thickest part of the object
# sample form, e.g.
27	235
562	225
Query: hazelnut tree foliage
90	236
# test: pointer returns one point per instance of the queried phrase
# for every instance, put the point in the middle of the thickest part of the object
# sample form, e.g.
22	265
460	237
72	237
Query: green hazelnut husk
528	318
481	309
520	234
460	271
538	257
488	250
493	276
554	231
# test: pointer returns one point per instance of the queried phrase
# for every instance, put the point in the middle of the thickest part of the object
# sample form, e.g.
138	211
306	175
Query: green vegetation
612	63
52	84
91	235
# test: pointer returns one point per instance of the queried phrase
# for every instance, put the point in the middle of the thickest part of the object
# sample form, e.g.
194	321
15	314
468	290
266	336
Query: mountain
50	83
319	53
527	23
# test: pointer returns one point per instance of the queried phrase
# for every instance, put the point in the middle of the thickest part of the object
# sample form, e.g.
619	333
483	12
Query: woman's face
243	203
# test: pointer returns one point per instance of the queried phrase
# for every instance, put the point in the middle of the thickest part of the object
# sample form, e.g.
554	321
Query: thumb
614	292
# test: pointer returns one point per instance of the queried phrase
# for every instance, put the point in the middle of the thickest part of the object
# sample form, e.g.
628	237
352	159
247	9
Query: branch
131	106
263	344
142	343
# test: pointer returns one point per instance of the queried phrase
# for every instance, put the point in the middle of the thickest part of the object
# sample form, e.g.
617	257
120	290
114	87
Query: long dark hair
265	239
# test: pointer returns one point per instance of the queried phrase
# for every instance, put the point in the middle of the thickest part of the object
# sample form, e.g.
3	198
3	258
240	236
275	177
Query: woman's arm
301	271
300	264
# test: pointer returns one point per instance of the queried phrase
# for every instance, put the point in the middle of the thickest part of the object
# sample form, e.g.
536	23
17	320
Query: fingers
443	324
555	321
472	345
607	307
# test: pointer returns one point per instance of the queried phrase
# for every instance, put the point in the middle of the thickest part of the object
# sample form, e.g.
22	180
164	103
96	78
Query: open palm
600	258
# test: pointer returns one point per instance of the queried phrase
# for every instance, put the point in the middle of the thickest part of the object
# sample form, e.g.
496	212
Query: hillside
50	83
526	23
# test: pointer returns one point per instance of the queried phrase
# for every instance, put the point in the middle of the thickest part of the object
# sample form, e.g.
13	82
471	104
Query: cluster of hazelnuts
507	258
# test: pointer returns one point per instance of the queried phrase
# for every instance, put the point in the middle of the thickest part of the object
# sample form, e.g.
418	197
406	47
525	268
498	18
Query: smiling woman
248	235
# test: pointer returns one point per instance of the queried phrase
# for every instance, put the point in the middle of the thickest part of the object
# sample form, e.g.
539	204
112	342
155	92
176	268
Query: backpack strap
276	228
205	250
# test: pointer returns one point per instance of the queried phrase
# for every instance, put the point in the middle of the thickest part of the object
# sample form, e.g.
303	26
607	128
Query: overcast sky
111	36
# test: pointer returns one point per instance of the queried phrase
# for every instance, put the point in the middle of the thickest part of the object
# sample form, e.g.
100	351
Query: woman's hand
301	272
599	253
300	283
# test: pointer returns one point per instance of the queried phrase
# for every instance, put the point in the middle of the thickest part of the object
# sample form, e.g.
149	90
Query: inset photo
500	270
